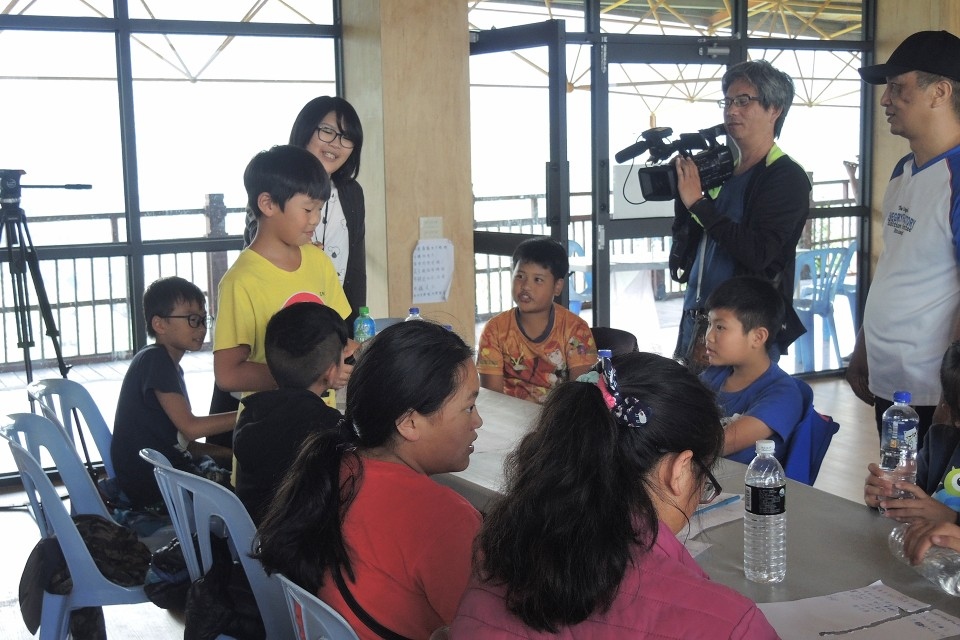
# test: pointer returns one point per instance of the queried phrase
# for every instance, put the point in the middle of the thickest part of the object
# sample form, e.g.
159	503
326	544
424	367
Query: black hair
546	252
577	497
164	294
284	171
301	343
409	366
950	380
309	118
774	87
755	303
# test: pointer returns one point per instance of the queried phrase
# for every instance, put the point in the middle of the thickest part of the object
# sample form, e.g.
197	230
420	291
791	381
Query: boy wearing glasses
757	399
153	408
286	189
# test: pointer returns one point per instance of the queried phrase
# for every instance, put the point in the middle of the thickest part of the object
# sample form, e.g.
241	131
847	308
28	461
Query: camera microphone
631	152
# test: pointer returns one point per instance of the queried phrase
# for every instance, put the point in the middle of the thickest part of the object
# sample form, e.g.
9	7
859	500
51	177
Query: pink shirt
664	594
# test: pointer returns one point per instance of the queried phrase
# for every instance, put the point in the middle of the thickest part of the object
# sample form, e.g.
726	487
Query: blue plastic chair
574	248
808	444
33	433
90	587
813	296
59	397
312	617
850	290
199	508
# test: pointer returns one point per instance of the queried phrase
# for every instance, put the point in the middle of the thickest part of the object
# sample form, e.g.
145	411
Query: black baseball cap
935	52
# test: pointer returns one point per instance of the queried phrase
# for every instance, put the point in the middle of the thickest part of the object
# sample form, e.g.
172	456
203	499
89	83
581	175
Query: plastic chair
58	397
849	290
199	508
815	297
617	340
808	444
312	617
90	587
574	248
31	432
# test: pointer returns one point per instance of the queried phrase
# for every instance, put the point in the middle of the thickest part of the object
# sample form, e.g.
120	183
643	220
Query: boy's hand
346	364
922	508
876	486
923	535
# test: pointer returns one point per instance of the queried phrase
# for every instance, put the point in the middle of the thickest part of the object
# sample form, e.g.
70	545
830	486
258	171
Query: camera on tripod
658	180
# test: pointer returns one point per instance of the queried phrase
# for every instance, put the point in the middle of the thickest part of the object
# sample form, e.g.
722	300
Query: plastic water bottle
940	565
898	447
765	517
604	353
414	314
364	327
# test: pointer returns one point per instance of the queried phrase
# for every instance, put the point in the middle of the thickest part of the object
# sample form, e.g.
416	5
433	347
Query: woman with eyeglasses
329	128
750	225
583	542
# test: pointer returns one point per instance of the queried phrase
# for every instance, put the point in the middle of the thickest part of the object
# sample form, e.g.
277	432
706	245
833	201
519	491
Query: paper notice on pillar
432	270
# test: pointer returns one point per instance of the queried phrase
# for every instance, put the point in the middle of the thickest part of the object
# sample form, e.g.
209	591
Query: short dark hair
754	301
774	87
284	171
950	380
545	252
310	116
925	79
301	343
164	294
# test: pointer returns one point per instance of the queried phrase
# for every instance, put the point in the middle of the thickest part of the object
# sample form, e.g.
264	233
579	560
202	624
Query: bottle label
765	501
910	438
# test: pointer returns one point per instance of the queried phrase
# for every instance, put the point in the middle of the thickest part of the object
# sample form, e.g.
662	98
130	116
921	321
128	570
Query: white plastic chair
33	432
311	617
90	587
199	508
58	397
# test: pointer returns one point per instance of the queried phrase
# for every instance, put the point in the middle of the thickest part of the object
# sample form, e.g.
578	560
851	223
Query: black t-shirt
141	422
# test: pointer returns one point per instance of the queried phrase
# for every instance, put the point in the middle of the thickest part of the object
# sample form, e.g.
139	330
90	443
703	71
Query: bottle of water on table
940	565
364	327
414	314
765	517
898	445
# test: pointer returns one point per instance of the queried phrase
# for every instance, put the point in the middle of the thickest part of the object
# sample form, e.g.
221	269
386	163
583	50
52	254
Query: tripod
21	257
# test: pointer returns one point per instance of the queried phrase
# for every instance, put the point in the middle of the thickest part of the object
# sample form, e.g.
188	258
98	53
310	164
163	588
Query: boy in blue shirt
759	400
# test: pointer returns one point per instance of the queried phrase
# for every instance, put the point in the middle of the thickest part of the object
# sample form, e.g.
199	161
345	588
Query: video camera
658	181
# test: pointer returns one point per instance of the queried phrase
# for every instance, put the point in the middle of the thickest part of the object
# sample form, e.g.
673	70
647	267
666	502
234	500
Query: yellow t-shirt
253	289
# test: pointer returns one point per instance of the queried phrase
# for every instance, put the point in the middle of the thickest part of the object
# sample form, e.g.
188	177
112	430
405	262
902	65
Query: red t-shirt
410	542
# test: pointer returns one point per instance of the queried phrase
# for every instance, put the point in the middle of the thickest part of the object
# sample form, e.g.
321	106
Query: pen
719	503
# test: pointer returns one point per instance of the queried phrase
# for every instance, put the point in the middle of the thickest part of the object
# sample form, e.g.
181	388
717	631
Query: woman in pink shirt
583	543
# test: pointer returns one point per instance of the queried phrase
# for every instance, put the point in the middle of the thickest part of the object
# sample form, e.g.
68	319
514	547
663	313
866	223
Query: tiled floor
842	474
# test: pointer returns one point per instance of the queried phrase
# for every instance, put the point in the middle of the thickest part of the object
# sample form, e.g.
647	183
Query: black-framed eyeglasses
329	134
741	101
711	488
194	319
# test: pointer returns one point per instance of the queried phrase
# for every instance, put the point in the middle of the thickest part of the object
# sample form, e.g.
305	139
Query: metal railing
91	303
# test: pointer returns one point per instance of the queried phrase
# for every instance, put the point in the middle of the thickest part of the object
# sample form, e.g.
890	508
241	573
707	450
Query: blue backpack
810	440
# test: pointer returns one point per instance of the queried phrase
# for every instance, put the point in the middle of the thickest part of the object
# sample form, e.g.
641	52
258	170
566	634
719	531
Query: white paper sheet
877	612
432	270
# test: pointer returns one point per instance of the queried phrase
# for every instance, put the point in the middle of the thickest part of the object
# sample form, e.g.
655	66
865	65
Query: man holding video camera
750	225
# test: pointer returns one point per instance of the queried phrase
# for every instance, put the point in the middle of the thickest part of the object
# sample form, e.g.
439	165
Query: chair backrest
617	340
808	444
34	433
58	397
824	270
574	248
90	587
851	250
311	617
199	507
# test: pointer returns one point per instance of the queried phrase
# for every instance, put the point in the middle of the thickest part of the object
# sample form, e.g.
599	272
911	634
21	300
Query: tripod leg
21	301
43	302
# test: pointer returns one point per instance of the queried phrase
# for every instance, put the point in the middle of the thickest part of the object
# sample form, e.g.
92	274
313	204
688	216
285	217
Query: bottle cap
414	310
364	311
766	446
902	397
604	353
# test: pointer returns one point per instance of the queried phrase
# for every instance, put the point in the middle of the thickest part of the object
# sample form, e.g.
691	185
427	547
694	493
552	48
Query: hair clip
628	411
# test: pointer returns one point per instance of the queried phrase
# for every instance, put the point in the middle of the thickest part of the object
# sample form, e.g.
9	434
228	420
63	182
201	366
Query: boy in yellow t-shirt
286	189
528	350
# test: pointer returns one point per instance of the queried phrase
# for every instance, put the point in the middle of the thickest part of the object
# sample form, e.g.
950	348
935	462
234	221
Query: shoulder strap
361	613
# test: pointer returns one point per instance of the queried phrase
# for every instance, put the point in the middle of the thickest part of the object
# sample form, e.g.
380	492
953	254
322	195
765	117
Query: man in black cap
913	308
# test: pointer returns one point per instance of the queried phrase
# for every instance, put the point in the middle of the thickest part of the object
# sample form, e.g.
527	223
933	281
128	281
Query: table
833	544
